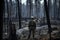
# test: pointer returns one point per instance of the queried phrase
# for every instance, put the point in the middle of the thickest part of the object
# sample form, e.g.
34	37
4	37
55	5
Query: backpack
32	25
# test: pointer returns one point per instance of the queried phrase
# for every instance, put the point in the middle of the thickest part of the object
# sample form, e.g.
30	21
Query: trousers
33	33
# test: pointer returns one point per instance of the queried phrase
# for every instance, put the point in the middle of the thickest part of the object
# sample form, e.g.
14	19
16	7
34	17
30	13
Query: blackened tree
30	4
1	17
12	35
47	17
37	6
19	11
59	10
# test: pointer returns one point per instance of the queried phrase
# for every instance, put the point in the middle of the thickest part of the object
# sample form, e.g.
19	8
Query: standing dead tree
1	17
47	16
19	11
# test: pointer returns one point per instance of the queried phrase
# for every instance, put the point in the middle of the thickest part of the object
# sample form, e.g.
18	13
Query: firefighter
32	27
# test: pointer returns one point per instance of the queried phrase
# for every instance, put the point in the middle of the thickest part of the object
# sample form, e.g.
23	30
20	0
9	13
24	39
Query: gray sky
24	1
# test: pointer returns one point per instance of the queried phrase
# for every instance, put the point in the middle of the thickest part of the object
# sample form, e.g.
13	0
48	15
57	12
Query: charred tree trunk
12	32
36	7
29	7
54	9
8	18
59	11
47	16
19	12
7	14
30	4
1	18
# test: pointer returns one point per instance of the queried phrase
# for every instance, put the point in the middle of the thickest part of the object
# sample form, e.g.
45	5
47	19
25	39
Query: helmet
32	17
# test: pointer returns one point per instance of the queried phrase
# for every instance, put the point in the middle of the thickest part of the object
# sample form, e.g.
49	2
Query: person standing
32	27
